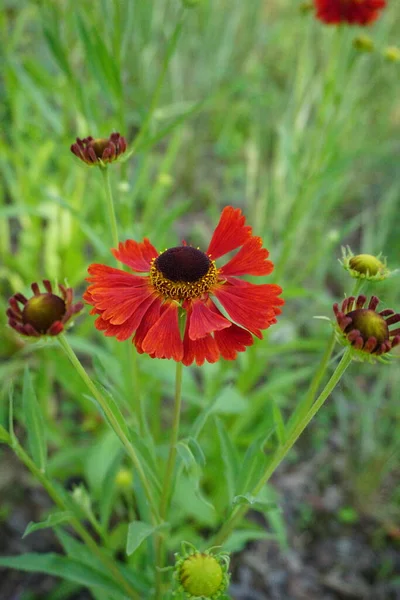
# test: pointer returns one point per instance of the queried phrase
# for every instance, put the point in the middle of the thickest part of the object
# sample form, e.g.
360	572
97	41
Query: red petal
199	350
163	339
233	340
203	319
151	316
137	255
350	11
251	306
119	308
103	275
250	260
230	233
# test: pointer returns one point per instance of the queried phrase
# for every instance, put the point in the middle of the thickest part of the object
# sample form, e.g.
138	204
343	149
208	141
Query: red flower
185	279
354	12
44	313
365	329
99	151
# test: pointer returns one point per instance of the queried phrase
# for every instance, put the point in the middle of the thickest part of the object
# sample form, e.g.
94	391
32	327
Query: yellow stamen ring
183	290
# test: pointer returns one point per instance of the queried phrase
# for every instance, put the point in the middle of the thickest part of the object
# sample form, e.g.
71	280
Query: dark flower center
183	263
99	145
369	324
42	311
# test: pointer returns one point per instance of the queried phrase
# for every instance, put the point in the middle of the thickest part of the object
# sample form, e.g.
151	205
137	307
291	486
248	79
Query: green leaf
197	451
64	567
185	454
191	453
229	457
254	502
82	554
113	407
34	423
52	520
229	402
4	435
254	463
279	423
138	531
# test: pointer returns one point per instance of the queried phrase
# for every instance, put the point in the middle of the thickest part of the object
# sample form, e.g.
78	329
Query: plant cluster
181	460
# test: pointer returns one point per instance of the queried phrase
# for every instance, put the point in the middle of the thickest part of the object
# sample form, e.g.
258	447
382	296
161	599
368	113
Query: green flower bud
392	54
201	574
124	479
364	266
363	43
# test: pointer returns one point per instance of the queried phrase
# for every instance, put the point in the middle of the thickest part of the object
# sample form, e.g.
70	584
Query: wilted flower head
201	574
183	280
45	313
364	266
353	12
99	151
365	329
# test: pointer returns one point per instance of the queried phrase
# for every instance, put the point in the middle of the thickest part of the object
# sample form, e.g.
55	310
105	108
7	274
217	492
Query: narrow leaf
279	423
229	458
34	423
52	520
66	568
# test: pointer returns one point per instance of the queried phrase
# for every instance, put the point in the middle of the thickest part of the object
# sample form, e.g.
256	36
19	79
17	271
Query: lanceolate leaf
64	567
34	423
52	520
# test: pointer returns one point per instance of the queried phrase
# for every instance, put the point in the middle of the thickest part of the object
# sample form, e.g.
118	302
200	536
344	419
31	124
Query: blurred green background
262	107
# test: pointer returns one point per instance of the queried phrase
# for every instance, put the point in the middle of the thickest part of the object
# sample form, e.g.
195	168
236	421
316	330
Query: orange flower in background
185	279
45	313
354	12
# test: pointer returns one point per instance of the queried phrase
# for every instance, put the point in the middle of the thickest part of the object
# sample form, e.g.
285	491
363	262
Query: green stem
169	473
4	435
283	450
138	405
131	356
118	430
110	206
316	380
107	562
173	441
357	287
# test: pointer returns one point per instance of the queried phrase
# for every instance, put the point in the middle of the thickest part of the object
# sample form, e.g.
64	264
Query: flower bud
363	43
392	54
124	479
99	151
45	313
364	266
201	574
365	329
